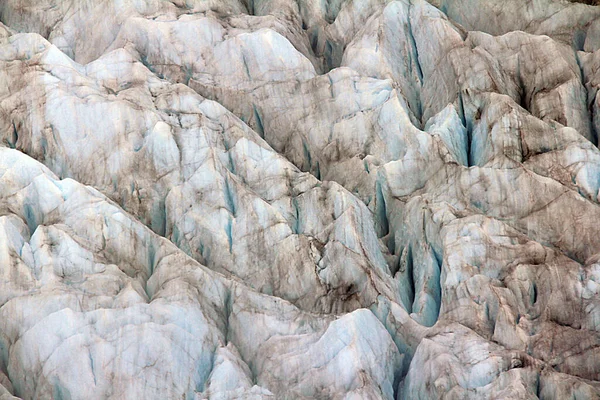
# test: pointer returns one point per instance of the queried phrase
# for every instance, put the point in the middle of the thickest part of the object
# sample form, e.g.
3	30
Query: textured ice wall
285	199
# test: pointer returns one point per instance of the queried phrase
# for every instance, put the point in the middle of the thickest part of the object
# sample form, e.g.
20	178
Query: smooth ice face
299	199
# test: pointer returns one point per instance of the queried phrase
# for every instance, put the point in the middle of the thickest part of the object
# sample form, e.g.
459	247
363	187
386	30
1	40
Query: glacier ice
264	199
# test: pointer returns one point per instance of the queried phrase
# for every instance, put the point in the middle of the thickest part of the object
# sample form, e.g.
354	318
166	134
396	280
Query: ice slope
299	199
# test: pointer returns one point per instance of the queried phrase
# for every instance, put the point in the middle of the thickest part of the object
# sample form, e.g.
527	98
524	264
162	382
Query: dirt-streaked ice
299	199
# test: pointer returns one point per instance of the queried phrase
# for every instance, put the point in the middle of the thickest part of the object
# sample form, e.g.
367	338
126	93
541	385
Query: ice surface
305	199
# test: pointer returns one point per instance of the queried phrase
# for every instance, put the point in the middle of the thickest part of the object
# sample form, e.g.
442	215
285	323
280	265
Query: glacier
299	199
